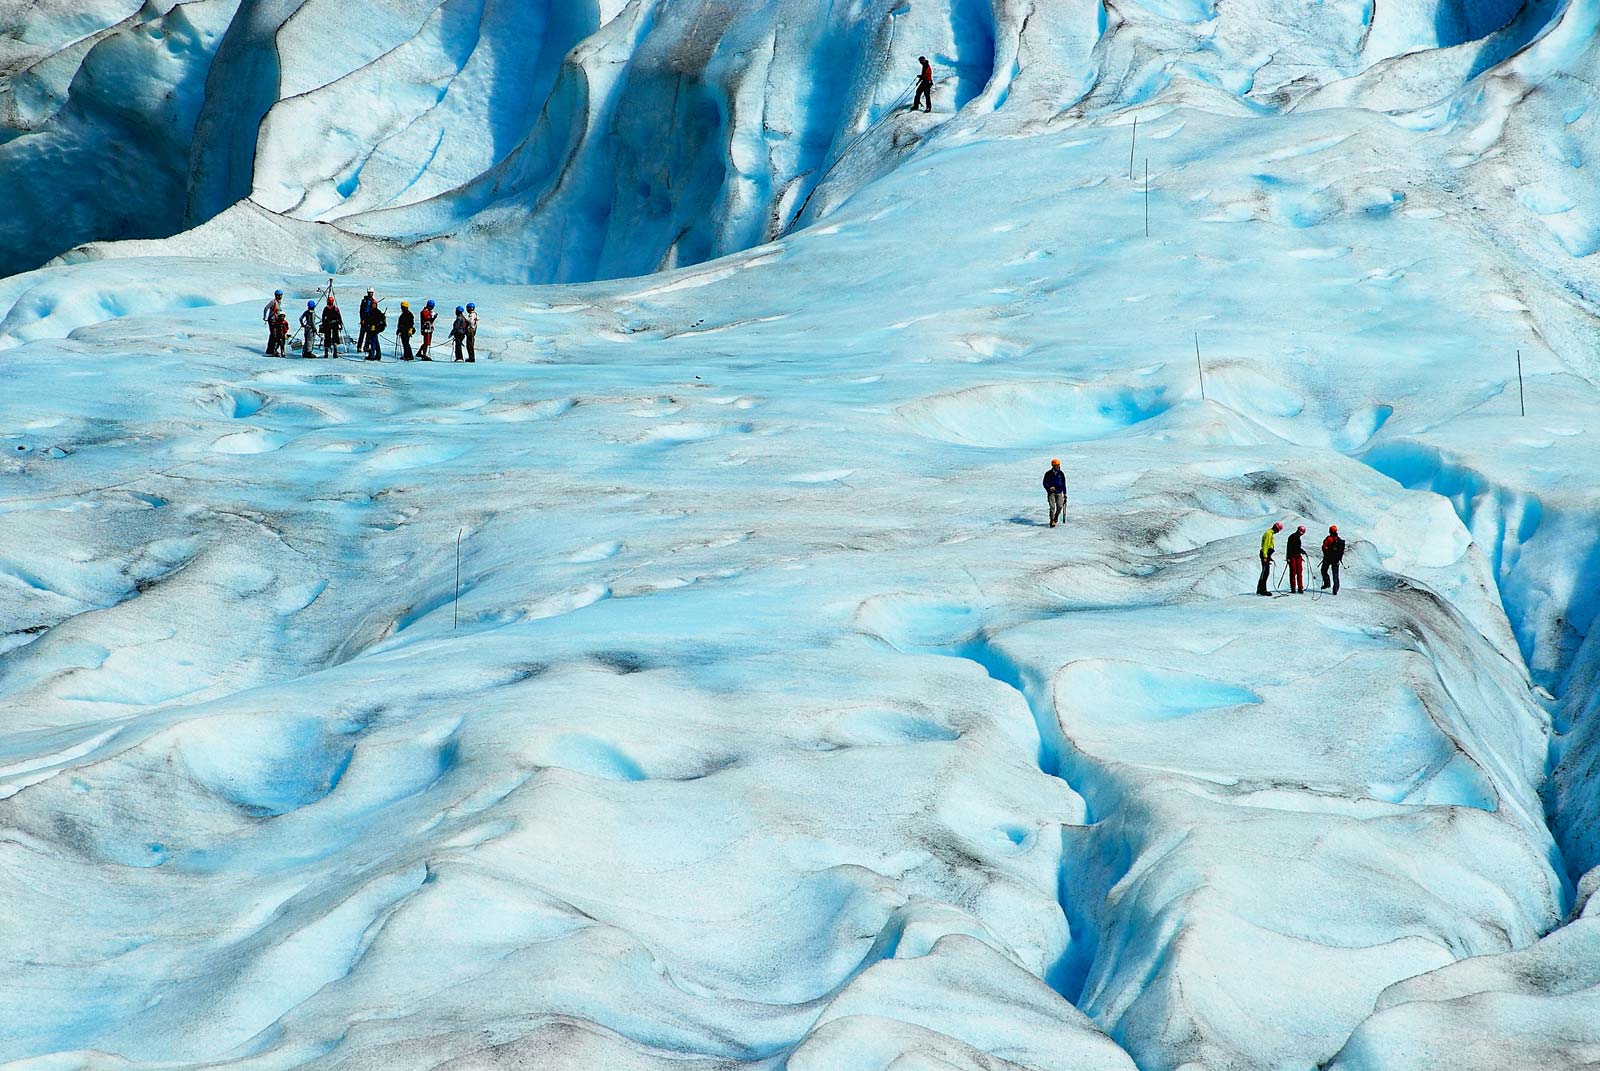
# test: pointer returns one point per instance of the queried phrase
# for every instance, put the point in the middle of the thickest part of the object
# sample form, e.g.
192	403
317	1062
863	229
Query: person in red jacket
1332	555
924	85
280	335
425	324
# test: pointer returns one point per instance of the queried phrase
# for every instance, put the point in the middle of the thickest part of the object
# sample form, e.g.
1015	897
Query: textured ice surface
773	728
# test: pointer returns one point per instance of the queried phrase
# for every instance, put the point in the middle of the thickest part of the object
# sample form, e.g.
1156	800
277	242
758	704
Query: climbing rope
839	157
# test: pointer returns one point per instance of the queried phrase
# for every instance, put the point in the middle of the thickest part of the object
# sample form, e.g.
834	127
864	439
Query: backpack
380	322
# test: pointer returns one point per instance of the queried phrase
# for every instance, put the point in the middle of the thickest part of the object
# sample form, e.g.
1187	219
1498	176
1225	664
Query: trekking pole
1132	144
1522	399
1199	367
457	620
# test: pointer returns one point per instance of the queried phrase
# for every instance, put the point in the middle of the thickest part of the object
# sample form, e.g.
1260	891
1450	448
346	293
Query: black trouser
924	96
1266	574
457	339
330	342
405	346
1330	568
472	352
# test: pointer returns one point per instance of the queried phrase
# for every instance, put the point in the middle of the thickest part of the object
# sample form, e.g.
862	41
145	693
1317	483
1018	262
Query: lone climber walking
924	86
1269	543
1332	555
1055	491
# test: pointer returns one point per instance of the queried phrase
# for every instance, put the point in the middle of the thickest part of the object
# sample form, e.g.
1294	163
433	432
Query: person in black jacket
308	329
1055	491
332	328
363	315
1332	555
1297	562
376	323
403	329
458	331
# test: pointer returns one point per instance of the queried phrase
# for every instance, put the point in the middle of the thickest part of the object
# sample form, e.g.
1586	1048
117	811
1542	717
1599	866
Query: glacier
693	681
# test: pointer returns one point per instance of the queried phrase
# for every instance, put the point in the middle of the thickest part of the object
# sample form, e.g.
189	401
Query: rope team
1055	490
373	322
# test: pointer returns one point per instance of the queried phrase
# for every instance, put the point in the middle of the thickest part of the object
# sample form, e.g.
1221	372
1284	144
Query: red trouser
1297	575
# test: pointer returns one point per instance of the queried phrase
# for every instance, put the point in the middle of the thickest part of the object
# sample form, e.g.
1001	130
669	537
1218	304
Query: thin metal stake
457	620
1522	398
1147	197
1131	146
1199	367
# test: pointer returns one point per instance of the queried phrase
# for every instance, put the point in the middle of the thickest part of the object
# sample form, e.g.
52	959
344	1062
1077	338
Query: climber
1297	560
332	327
472	332
1055	491
308	329
1332	555
269	315
1269	543
364	310
428	316
924	85
280	335
403	330
458	330
376	323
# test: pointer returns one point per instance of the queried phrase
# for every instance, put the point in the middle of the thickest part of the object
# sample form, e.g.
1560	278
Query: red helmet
1277	526
1302	528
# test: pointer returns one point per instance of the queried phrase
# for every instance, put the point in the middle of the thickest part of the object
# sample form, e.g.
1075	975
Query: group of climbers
1055	490
1332	555
372	323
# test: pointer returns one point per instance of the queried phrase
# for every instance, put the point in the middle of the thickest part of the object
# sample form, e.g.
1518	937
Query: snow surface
773	728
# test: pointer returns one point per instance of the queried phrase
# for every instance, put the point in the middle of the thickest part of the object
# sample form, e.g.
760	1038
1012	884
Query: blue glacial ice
768	725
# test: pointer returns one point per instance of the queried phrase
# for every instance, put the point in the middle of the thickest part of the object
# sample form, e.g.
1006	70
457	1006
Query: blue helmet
470	305
460	309
311	304
277	293
430	303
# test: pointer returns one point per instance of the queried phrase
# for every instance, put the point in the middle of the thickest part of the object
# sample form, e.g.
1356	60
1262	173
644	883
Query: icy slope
591	140
775	729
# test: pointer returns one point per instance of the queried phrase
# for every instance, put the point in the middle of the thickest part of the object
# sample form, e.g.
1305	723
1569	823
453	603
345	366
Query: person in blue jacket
1055	491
